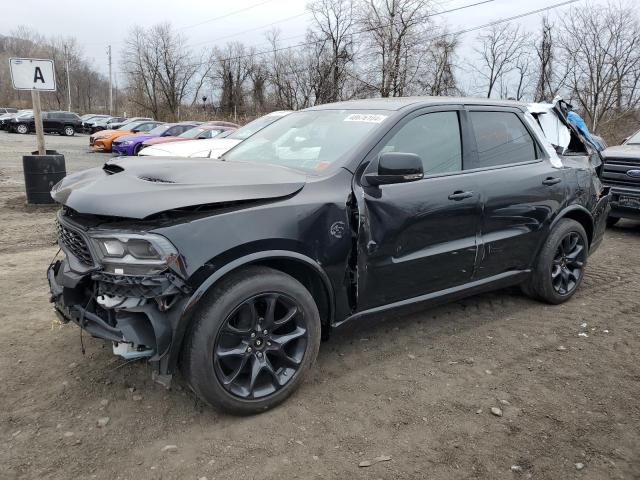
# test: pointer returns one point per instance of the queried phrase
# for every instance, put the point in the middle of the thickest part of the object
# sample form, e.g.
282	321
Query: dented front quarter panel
314	223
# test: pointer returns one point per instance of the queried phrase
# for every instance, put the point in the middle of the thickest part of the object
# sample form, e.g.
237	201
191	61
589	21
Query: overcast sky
97	24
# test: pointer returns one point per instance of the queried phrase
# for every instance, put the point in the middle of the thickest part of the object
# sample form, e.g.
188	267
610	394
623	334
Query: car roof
398	103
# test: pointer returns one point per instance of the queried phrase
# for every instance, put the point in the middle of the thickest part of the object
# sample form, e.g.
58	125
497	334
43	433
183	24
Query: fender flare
573	208
184	318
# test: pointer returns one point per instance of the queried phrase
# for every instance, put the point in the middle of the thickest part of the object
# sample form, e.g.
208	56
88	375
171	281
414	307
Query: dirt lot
417	388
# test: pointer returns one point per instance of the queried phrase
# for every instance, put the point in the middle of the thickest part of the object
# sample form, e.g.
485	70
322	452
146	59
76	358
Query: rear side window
435	138
502	139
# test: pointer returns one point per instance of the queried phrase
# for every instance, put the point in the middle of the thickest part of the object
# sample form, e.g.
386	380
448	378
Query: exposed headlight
134	254
127	142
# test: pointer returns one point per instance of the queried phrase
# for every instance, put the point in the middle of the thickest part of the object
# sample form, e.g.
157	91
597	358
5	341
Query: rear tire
253	339
68	131
22	129
559	268
611	221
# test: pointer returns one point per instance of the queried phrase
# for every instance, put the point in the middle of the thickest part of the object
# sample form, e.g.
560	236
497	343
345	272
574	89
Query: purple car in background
132	144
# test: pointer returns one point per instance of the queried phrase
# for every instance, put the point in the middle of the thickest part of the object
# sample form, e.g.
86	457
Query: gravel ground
415	390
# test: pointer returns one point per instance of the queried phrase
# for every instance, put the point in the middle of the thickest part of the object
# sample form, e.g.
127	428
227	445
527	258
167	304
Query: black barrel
41	173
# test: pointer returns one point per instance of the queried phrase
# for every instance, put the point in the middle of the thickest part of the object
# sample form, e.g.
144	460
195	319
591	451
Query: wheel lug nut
259	354
248	349
268	344
264	332
253	334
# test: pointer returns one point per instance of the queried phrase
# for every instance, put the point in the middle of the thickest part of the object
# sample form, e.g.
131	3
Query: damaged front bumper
138	313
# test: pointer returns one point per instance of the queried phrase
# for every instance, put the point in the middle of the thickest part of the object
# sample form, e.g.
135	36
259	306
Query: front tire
253	340
559	268
22	129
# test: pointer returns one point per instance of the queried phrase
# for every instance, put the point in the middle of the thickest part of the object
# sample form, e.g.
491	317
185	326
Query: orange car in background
103	140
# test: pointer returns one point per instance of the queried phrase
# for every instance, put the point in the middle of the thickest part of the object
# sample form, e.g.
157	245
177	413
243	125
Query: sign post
36	75
42	169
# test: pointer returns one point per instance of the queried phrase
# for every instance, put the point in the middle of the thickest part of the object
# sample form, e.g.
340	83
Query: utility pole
110	83
66	54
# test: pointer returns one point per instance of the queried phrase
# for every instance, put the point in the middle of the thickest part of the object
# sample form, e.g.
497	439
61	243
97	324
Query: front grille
75	243
615	172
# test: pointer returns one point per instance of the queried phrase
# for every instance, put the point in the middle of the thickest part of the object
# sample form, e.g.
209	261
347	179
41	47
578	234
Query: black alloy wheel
260	346
559	267
254	338
568	264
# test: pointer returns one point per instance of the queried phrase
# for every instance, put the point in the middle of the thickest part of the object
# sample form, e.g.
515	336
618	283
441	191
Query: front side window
502	139
314	141
435	138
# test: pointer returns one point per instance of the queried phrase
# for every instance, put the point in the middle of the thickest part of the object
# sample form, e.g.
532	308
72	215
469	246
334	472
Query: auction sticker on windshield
365	117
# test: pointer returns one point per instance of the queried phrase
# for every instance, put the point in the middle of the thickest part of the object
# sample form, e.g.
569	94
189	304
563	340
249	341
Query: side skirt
496	282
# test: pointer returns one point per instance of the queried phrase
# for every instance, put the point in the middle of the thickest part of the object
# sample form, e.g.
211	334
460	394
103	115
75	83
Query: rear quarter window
502	139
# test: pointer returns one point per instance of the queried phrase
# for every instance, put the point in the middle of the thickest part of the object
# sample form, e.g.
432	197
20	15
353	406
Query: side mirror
396	167
135	131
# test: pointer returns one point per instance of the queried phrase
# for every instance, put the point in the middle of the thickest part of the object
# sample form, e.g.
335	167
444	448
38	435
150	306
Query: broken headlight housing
133	253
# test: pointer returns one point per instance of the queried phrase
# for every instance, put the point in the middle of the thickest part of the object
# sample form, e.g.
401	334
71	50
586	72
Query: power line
250	7
313	42
251	29
458	32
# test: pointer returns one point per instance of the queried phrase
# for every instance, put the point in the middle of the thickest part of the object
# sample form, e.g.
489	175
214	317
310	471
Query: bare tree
331	37
290	76
438	77
396	32
602	48
499	49
160	69
231	70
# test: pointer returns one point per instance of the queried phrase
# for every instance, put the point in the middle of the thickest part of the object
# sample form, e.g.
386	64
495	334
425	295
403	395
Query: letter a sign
33	74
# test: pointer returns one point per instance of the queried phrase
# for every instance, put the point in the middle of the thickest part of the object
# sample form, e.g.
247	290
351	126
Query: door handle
460	195
551	181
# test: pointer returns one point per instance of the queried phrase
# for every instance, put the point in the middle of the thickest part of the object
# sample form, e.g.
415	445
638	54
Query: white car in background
212	147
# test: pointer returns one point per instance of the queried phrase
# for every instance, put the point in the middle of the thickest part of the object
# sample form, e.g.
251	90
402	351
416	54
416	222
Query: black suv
622	174
234	269
64	123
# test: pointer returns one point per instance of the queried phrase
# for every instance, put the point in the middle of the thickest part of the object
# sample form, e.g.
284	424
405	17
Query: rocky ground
493	387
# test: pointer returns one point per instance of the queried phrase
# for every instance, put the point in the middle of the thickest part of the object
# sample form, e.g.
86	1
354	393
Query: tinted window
435	138
502	139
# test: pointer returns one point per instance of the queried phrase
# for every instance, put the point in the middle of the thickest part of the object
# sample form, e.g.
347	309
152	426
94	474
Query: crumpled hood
139	189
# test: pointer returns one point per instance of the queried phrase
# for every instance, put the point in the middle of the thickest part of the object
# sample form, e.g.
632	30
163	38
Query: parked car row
61	122
135	134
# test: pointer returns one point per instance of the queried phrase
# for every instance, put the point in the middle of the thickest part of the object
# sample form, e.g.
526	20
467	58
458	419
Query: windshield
159	130
253	127
311	140
129	126
192	132
634	139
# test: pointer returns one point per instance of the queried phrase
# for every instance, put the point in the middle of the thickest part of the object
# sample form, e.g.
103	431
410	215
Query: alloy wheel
260	346
22	129
568	263
68	131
